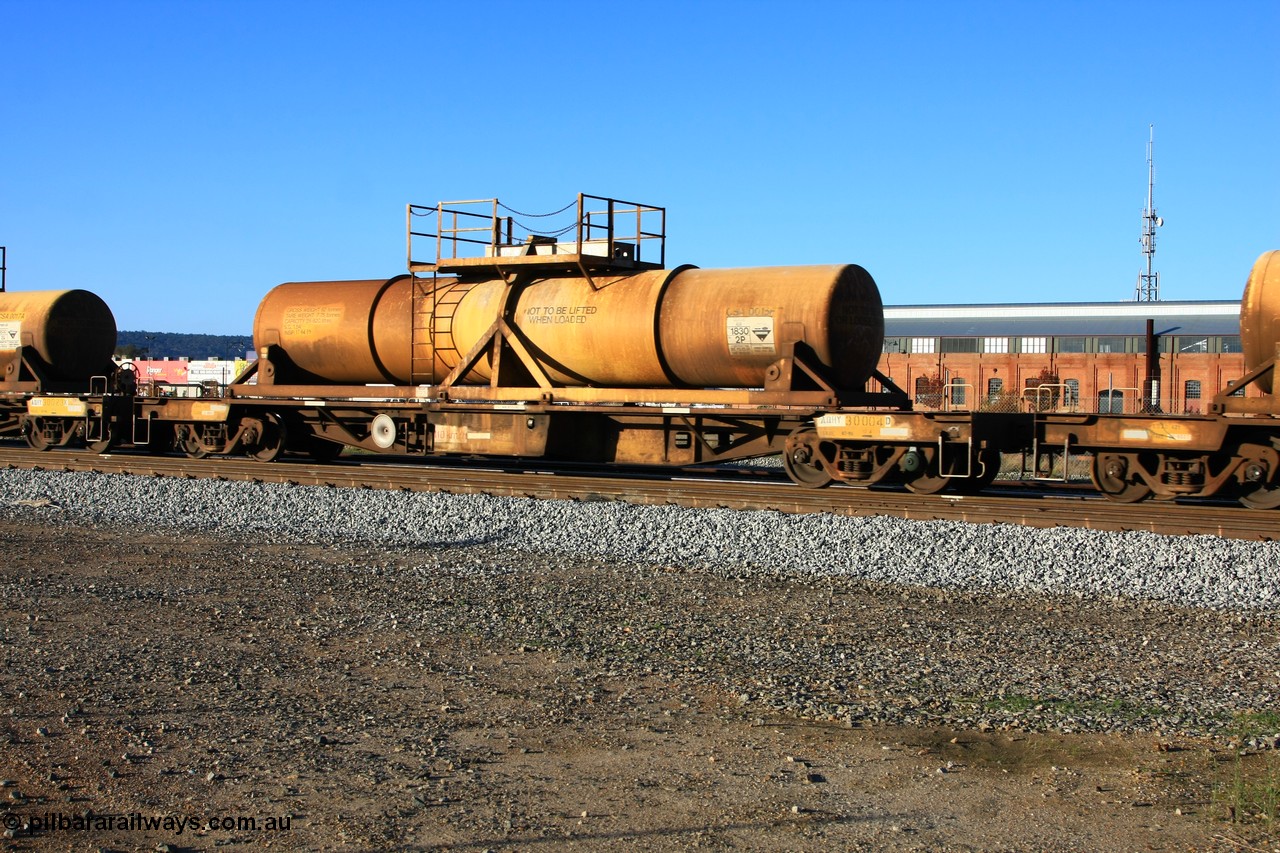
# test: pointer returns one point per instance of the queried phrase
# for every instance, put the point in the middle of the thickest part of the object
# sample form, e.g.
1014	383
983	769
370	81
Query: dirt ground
172	692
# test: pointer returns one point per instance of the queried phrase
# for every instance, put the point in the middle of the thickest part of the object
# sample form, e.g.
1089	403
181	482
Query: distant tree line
178	345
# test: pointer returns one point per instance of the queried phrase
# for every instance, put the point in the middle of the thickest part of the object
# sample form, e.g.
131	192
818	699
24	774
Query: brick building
1087	357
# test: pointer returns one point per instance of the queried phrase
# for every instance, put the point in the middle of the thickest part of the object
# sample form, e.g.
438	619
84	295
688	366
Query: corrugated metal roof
1061	319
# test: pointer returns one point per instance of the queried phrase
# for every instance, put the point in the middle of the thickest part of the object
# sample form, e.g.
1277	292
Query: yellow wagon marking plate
56	407
860	427
209	411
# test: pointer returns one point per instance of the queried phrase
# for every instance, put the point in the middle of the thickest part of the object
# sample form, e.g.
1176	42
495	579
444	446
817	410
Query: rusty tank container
344	332
685	327
1260	315
72	331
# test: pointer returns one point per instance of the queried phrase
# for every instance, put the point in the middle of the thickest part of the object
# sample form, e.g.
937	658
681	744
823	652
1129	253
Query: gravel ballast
1193	571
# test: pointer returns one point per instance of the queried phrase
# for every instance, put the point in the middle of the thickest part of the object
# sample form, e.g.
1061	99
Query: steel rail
1018	506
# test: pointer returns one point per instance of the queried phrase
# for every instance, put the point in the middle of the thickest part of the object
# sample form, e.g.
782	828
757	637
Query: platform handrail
607	230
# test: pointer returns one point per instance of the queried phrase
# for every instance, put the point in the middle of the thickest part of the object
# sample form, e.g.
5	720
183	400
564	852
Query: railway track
1012	505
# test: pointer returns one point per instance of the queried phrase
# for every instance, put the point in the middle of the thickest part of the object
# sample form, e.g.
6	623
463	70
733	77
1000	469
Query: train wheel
802	460
1111	477
271	440
920	472
37	438
188	441
1262	497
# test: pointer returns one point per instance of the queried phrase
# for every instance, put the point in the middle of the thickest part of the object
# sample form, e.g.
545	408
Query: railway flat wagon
1233	450
584	347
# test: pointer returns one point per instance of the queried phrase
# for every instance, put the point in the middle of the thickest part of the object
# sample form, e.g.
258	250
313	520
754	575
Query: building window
959	344
1035	345
958	387
924	344
1192	344
1111	402
1231	343
1191	391
995	344
1071	344
891	345
1112	343
1071	392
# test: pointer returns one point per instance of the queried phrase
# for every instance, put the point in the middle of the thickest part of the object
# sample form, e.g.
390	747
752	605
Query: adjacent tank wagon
54	341
1232	450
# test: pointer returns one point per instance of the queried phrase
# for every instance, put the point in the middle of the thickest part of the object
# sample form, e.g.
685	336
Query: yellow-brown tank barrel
723	328
72	331
660	328
1260	315
342	332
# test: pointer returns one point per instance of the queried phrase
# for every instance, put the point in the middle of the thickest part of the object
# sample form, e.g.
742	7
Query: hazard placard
751	335
10	334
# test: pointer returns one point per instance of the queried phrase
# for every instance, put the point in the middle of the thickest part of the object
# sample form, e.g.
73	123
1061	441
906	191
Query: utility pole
1148	289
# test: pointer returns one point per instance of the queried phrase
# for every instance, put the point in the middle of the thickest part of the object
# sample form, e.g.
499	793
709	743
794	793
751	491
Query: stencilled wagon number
868	420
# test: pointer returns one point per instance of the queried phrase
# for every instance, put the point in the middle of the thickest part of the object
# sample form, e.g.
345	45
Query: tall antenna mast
1148	289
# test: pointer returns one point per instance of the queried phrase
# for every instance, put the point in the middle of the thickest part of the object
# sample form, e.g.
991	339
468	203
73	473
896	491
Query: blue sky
182	158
